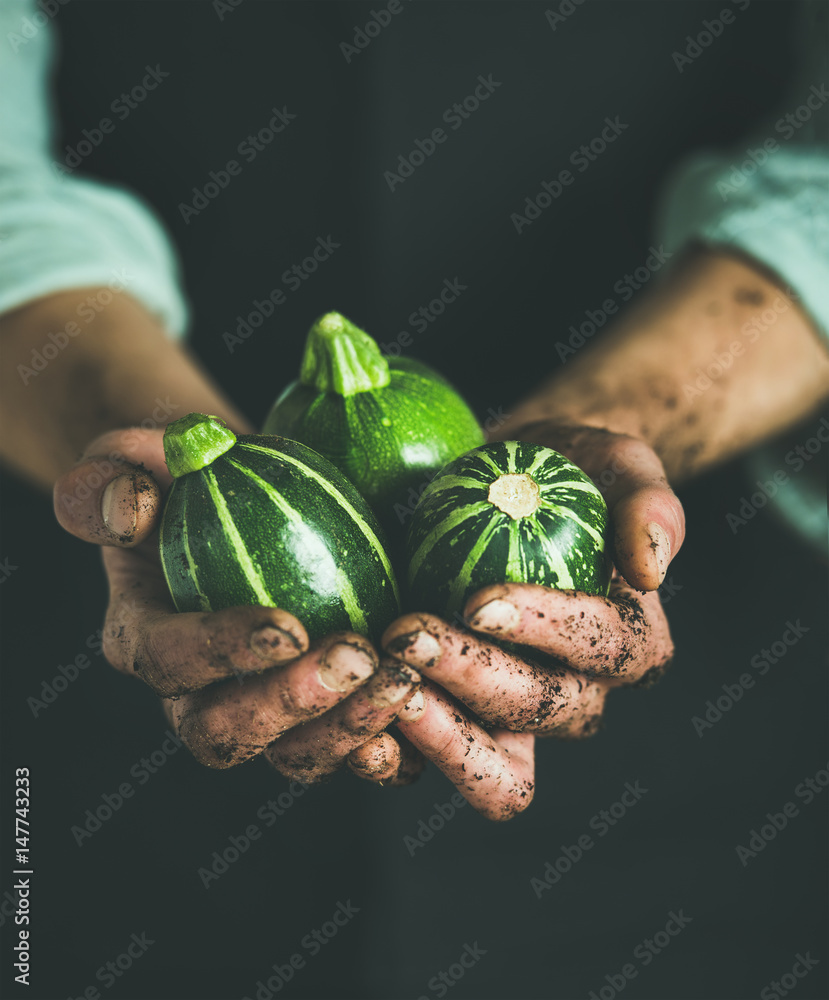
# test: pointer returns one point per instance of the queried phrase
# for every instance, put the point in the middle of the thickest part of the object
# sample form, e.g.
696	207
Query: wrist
707	363
66	381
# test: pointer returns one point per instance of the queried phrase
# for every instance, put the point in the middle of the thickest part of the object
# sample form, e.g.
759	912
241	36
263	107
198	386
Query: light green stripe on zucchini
540	460
355	613
344	587
452	482
512	456
458	516
204	600
515	562
481	456
570	515
462	580
332	491
556	563
246	564
580	485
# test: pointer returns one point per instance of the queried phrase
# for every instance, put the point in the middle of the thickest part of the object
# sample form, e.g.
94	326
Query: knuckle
294	701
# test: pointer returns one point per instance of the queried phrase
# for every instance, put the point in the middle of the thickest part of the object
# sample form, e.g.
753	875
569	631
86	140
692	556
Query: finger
317	749
647	517
499	687
175	653
113	494
377	760
649	526
494	770
388	760
228	723
624	638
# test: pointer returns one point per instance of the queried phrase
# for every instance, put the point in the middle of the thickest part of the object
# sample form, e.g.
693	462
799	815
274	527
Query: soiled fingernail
420	649
392	684
118	507
497	616
273	645
414	708
661	547
344	667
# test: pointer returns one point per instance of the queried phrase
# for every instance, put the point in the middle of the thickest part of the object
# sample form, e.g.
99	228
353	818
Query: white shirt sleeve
58	230
768	195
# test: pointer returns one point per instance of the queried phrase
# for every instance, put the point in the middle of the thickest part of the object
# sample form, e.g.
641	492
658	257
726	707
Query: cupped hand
235	682
577	646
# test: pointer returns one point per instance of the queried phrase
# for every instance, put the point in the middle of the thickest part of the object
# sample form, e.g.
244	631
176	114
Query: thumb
647	516
649	526
112	496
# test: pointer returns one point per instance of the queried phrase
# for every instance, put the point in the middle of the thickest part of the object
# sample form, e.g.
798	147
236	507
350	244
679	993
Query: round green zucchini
263	520
507	512
389	424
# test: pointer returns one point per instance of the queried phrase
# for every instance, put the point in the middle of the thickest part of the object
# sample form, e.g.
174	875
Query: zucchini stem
516	495
342	358
195	441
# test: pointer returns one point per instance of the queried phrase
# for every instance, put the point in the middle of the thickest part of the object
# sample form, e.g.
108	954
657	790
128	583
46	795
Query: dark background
732	593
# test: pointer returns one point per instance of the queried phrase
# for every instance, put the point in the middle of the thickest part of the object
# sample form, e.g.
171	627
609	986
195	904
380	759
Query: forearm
707	364
119	370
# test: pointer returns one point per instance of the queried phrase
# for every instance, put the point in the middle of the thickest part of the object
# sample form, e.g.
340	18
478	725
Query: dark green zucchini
388	424
506	512
264	520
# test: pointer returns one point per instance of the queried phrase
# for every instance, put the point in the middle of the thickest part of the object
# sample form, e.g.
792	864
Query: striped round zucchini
508	512
388	423
264	520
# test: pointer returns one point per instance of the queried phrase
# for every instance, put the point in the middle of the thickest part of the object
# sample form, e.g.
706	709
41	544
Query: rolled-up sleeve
59	230
767	195
772	205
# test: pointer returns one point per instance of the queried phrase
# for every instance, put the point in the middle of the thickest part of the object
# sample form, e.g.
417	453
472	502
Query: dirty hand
236	682
478	713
